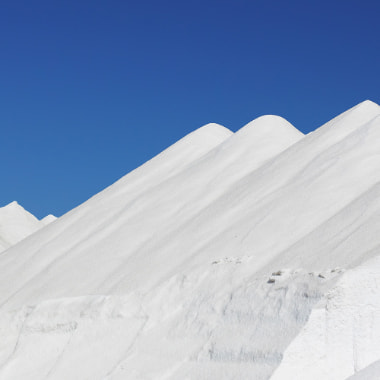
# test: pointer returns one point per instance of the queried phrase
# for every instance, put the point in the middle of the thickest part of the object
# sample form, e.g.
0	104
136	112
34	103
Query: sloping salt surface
287	198
181	274
304	186
347	238
372	372
204	325
343	333
168	163
15	224
125	216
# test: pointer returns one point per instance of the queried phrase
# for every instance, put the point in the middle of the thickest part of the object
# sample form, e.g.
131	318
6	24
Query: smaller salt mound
255	143
48	219
270	126
15	224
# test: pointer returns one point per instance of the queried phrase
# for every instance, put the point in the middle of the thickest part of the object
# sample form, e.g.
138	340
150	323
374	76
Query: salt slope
342	334
15	224
205	325
166	164
119	220
350	236
305	186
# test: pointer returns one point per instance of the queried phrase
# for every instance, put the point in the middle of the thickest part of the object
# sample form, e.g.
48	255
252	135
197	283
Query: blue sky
89	90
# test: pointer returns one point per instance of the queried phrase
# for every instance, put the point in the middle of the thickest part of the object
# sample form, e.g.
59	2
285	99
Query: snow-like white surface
343	328
207	261
16	224
372	372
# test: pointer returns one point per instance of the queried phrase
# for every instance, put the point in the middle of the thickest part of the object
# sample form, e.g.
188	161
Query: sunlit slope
270	208
94	215
96	239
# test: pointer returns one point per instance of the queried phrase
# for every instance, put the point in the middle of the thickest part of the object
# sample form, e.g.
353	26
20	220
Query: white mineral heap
252	255
16	224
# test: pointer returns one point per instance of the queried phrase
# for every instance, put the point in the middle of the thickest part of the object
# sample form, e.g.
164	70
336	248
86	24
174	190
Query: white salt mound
252	255
15	224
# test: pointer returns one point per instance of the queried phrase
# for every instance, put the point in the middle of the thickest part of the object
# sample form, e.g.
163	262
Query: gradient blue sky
90	90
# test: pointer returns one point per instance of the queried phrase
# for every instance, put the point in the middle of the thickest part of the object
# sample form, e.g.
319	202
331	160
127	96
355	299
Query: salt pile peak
15	224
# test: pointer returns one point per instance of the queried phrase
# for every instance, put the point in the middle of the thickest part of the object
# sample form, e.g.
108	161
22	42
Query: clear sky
90	90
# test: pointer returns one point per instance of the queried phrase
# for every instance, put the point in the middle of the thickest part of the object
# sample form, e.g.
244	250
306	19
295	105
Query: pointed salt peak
366	104
13	205
271	125
15	209
355	116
